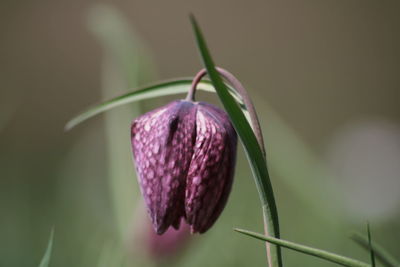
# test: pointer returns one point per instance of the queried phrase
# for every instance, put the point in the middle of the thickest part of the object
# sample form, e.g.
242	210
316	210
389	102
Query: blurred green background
324	77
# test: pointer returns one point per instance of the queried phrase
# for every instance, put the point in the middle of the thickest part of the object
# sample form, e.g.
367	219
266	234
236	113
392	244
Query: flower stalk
269	228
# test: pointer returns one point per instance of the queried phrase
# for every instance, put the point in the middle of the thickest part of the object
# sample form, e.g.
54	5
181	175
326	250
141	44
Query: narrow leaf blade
162	89
171	87
47	255
380	253
250	143
322	254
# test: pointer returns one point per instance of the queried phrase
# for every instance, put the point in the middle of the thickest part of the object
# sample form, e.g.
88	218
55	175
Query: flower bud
185	155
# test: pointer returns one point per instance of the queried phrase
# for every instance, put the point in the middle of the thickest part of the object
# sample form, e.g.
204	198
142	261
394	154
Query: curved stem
196	80
255	123
230	78
248	103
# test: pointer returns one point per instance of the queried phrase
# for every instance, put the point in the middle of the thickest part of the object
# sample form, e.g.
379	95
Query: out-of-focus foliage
323	78
45	262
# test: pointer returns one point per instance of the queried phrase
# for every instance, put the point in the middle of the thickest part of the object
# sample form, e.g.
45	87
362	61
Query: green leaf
47	255
322	254
250	143
371	251
162	89
380	253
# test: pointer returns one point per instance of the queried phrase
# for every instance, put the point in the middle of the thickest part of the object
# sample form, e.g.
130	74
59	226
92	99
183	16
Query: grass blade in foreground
251	145
47	255
380	253
162	89
322	254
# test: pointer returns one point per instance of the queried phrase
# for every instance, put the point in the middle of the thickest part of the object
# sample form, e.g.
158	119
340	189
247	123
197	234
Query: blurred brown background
330	69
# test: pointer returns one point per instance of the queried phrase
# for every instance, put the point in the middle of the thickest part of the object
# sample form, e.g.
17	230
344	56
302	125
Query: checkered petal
162	146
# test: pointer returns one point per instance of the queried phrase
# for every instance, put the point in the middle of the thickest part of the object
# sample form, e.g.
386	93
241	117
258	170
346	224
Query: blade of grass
47	255
162	89
319	253
251	145
371	251
380	253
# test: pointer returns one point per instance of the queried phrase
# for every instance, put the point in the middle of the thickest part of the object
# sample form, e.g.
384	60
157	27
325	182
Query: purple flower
185	155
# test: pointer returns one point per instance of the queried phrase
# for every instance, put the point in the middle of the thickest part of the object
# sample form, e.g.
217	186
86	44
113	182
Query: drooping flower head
185	155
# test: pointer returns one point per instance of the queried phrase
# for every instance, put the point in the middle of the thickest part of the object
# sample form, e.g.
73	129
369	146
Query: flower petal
211	170
162	145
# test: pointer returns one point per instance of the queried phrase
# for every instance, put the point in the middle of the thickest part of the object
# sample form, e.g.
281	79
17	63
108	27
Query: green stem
237	85
371	251
253	151
268	214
